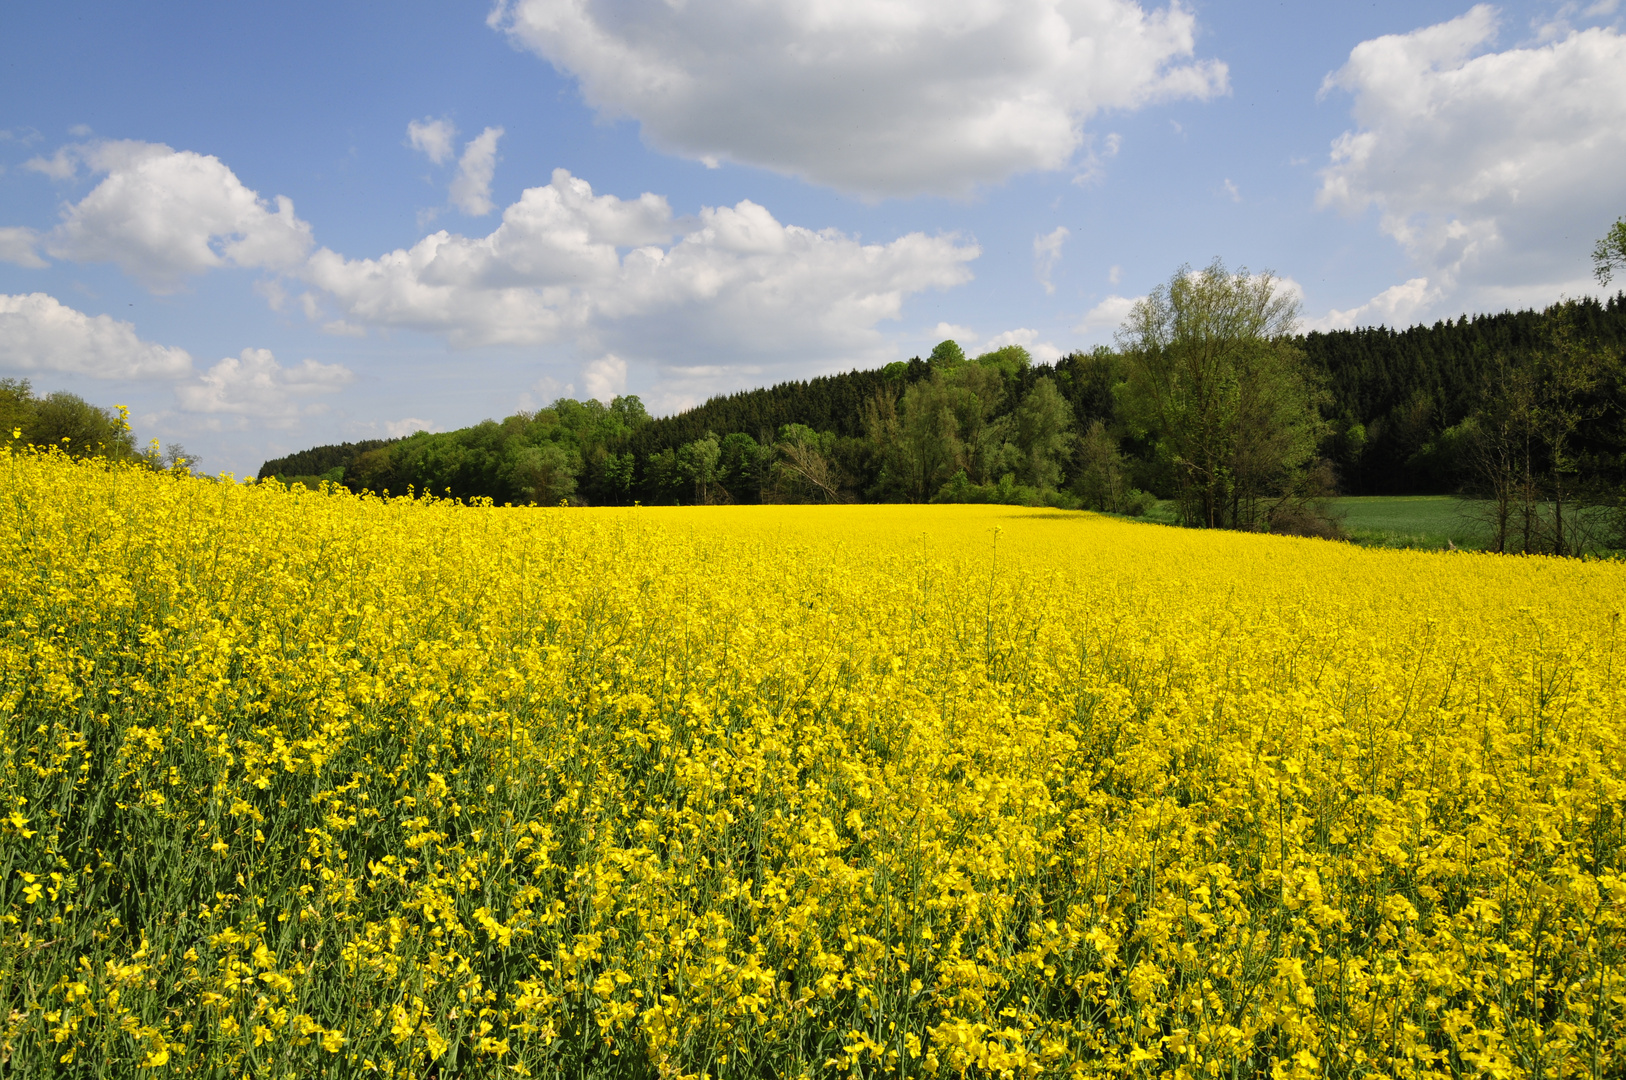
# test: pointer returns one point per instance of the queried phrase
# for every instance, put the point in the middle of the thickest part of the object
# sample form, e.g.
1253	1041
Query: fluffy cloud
1397	306
38	333
162	215
1042	351
960	335
605	272
432	137
606	377
17	247
1109	314
471	187
888	98
597	273
1046	254
255	385
399	429
1494	171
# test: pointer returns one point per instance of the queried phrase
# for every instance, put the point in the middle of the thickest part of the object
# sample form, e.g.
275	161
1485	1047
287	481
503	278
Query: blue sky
266	227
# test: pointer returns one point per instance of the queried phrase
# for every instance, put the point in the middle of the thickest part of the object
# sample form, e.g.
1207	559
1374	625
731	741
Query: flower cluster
310	784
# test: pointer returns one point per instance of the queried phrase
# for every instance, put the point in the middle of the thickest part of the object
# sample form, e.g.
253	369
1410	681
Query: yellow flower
662	785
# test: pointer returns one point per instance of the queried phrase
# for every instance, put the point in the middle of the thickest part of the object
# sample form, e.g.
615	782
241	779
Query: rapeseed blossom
311	784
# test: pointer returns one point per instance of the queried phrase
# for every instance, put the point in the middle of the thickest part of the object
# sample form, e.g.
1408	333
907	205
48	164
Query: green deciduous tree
946	354
545	474
65	421
1610	253
1009	361
741	466
697	461
1520	445
16	408
1101	482
1213	377
1042	430
802	470
616	473
927	449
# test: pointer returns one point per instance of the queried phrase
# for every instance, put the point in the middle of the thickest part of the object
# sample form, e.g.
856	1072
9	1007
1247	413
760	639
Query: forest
1431	409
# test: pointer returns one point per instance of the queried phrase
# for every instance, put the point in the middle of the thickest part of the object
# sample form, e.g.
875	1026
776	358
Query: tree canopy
63	420
1214	378
1211	399
1610	253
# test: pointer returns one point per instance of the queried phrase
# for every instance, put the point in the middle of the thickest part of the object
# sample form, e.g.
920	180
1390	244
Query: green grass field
1404	521
1411	521
1408	521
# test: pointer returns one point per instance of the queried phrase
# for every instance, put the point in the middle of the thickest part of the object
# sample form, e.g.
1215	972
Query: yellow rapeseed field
302	784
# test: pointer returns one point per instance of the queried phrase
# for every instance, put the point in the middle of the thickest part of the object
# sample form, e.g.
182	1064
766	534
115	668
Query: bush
1138	503
1007	492
1306	519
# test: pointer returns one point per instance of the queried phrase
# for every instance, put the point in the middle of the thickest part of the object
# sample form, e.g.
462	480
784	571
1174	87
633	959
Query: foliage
301	785
1610	253
321	460
832	403
1213	378
1041	434
1522	449
1005	492
569	449
1102	482
1395	392
966	418
1397	407
946	354
62	420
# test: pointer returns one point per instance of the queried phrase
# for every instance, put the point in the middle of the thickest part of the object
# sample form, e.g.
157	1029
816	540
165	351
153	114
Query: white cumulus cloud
408	425
887	97
1109	314
39	333
623	275
59	166
1397	306
162	215
253	385
730	287
606	377
960	335
1494	170
1046	254
1042	351
17	246
433	138
471	187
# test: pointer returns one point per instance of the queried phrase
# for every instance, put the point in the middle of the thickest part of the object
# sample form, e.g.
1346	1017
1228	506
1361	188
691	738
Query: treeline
997	427
1371	411
1393	394
70	424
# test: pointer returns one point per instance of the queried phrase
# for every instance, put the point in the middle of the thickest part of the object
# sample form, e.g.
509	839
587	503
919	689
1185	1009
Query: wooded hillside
999	427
